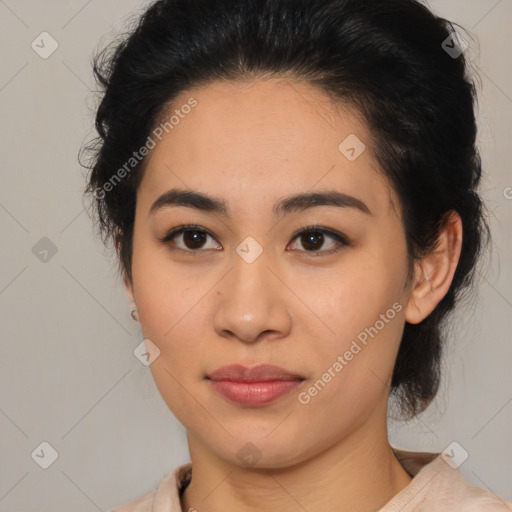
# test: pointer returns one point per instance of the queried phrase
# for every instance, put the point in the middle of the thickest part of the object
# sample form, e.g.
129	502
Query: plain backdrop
68	374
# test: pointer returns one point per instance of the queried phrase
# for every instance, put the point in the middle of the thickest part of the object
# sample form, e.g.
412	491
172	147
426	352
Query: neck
358	473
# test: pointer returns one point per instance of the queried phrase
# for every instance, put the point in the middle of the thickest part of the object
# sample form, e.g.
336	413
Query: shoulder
163	499
482	501
436	485
450	489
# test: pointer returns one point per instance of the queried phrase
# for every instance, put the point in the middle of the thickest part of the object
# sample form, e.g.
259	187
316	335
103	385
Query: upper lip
258	373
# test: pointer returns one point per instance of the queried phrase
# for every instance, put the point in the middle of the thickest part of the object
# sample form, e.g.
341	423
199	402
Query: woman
291	188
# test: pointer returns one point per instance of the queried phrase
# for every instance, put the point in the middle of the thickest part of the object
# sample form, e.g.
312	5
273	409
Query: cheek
343	301
358	316
168	298
169	308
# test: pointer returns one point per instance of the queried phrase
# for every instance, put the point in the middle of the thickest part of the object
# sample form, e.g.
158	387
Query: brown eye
314	238
193	238
312	241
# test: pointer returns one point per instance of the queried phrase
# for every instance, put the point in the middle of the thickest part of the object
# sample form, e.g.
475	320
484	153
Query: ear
434	274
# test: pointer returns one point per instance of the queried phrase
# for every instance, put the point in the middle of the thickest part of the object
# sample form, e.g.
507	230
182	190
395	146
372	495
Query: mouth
252	394
253	386
258	373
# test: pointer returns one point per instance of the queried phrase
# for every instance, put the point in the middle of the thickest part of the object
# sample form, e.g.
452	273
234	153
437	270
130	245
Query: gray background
68	373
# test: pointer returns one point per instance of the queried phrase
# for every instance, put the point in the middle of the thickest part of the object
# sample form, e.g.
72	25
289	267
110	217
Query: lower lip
254	393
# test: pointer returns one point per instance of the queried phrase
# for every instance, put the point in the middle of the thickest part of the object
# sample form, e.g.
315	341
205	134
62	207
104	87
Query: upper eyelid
313	228
340	237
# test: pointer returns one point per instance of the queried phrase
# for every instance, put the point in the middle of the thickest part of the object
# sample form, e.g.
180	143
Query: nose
252	302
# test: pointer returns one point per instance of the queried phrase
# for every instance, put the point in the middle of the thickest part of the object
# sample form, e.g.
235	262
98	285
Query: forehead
260	140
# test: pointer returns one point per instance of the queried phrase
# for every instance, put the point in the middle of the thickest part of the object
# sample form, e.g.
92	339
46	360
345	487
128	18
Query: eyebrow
299	202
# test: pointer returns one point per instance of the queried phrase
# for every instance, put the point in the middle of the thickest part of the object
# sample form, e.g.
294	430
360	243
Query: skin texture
252	144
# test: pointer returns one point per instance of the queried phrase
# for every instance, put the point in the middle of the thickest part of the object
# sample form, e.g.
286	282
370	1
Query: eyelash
341	240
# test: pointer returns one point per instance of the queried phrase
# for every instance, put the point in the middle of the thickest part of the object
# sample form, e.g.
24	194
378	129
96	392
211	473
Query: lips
259	373
253	386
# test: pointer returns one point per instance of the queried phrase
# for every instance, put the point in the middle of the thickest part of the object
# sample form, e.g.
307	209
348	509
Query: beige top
435	487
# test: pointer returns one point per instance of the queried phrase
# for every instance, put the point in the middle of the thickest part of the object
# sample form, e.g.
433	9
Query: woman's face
250	290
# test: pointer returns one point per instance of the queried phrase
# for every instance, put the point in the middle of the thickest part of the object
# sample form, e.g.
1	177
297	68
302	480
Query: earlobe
127	281
129	291
420	298
434	274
